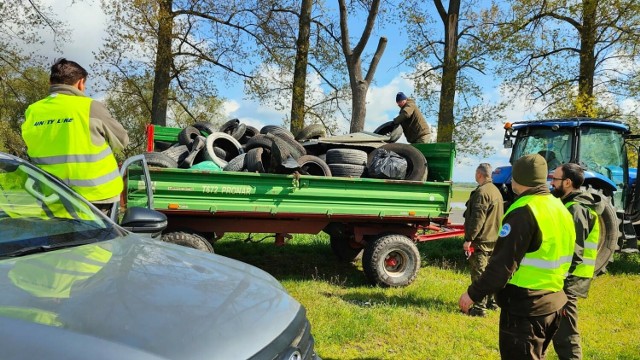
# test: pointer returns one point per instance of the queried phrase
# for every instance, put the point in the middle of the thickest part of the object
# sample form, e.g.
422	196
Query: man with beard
584	207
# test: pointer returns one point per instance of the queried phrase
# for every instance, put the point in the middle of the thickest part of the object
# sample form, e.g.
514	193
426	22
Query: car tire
159	160
347	170
313	165
394	131
226	142
312	131
276	130
187	135
346	156
236	164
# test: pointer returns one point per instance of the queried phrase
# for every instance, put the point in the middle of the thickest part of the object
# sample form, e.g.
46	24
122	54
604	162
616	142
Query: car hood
153	297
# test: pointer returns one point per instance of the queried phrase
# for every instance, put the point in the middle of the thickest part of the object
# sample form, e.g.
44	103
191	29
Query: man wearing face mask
529	263
584	207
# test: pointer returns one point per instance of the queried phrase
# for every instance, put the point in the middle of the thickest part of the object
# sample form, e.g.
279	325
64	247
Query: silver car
75	285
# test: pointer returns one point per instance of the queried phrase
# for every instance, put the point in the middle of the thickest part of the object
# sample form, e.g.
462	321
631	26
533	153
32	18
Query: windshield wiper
45	248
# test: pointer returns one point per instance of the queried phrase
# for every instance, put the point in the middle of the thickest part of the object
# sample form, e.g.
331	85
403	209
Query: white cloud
87	24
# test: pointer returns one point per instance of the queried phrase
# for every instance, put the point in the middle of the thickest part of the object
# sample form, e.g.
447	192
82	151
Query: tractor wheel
189	240
609	233
391	261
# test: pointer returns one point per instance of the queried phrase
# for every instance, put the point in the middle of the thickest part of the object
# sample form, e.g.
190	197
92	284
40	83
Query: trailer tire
160	160
416	162
609	234
391	261
345	249
188	240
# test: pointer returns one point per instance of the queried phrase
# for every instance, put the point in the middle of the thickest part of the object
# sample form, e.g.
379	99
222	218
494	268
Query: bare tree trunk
360	85
585	105
163	64
300	67
446	120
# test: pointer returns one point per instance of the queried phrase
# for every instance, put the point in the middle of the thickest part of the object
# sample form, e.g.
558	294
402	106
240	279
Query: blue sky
87	24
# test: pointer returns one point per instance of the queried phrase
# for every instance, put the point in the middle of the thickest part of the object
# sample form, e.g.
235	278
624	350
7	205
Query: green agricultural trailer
380	219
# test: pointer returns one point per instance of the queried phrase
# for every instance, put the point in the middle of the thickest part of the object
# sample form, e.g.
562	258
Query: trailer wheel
391	261
188	240
345	249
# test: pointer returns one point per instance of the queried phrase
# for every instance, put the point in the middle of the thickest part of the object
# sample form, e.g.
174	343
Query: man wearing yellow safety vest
529	264
73	137
584	207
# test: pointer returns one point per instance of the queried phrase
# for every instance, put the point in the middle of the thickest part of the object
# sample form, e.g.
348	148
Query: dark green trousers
477	263
526	337
566	341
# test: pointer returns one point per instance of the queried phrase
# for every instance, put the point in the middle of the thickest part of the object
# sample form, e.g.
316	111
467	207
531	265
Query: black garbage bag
387	164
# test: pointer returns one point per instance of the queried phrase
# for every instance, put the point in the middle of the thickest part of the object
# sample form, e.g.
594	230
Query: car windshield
36	211
555	146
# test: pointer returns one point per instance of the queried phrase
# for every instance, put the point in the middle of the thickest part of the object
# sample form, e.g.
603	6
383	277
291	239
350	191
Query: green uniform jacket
482	217
584	221
413	123
508	253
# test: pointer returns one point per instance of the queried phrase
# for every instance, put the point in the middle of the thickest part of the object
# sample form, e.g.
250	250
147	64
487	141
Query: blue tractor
601	147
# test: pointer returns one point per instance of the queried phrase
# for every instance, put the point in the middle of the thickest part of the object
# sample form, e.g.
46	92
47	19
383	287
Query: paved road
456	213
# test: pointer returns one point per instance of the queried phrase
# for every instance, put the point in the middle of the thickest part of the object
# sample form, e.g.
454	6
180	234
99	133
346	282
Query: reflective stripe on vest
48	276
546	268
56	131
590	252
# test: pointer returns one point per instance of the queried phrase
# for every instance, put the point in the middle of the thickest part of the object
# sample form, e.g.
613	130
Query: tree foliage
17	91
449	49
576	57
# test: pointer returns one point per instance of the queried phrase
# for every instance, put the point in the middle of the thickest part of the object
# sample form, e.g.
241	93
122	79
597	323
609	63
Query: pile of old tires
235	146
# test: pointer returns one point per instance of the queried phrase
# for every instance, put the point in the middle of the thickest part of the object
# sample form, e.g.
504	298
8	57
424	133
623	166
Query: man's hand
465	303
465	245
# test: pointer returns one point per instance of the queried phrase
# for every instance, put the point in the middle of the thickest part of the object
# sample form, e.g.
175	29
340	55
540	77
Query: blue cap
401	96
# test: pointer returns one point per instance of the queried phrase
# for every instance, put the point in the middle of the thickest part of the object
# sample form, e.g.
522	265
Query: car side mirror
144	221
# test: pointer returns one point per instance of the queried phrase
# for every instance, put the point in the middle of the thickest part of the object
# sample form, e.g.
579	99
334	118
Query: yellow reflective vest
547	267
56	131
586	269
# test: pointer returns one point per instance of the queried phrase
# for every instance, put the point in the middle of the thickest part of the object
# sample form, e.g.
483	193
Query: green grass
353	320
461	194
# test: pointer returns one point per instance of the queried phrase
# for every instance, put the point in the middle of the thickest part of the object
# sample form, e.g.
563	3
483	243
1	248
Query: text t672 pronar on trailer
382	217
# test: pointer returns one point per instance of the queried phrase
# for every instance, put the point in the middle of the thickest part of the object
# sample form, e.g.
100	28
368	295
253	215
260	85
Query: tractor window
554	146
601	150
